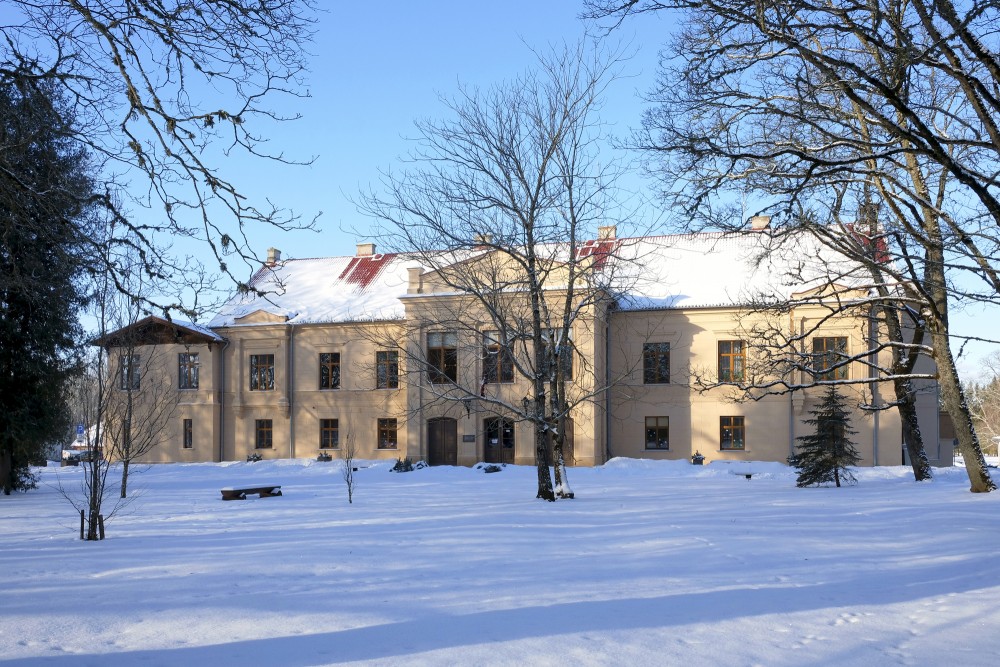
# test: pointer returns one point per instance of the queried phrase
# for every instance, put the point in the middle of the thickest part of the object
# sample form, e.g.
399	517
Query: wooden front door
442	441
499	446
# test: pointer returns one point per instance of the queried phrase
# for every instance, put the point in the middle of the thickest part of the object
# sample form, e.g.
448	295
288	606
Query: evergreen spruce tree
827	454
44	190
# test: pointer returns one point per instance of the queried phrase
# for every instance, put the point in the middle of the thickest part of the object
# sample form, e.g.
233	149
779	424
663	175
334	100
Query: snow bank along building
370	350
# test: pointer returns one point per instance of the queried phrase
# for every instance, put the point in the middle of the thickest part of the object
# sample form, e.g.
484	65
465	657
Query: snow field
653	563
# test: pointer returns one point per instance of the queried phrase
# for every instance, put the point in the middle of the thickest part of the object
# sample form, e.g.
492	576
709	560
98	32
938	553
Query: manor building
369	352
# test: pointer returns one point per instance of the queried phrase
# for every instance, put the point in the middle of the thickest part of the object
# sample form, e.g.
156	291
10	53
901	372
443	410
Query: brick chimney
273	256
366	249
760	222
609	232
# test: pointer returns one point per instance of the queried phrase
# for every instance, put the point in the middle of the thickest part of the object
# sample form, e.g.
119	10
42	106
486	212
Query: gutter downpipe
872	340
290	352
222	403
607	384
791	395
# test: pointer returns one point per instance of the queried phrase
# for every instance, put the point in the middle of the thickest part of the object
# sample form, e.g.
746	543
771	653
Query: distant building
328	355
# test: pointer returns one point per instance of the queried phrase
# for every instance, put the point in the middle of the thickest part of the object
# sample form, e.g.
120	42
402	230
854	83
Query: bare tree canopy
794	100
499	205
161	92
825	112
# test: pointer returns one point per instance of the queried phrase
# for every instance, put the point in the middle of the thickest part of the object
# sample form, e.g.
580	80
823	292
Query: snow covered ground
654	563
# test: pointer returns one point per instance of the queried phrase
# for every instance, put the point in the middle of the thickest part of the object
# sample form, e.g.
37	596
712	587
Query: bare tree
158	91
347	460
821	110
93	394
501	210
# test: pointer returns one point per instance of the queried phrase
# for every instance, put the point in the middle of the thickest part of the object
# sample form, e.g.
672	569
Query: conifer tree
827	454
43	180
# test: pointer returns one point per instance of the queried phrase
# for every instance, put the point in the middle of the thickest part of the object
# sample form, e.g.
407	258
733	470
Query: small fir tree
827	454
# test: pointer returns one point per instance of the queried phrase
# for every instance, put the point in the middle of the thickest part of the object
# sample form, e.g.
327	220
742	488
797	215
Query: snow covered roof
676	271
329	289
716	270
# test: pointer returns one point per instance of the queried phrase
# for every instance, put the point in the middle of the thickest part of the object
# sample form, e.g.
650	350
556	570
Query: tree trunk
903	363
95	490
545	491
92	534
6	469
952	397
124	488
912	437
562	489
953	400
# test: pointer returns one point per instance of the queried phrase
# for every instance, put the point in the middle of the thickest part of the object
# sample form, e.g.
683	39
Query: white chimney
366	249
415	280
760	222
273	255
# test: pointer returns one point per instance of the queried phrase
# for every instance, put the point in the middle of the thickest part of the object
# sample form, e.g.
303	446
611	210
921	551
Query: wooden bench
266	491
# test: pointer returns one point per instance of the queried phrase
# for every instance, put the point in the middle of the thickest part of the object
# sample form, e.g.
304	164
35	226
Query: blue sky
379	66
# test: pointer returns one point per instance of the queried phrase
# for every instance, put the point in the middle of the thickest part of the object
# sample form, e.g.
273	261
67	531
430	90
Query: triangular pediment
155	330
261	316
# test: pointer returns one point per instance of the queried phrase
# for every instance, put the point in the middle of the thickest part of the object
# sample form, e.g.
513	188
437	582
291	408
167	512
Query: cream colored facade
771	423
404	308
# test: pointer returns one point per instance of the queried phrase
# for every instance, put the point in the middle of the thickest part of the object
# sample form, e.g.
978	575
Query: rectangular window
187	370
387	434
732	360
442	357
827	354
386	370
128	372
187	430
656	363
329	434
261	372
498	361
657	432
264	431
329	370
732	433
